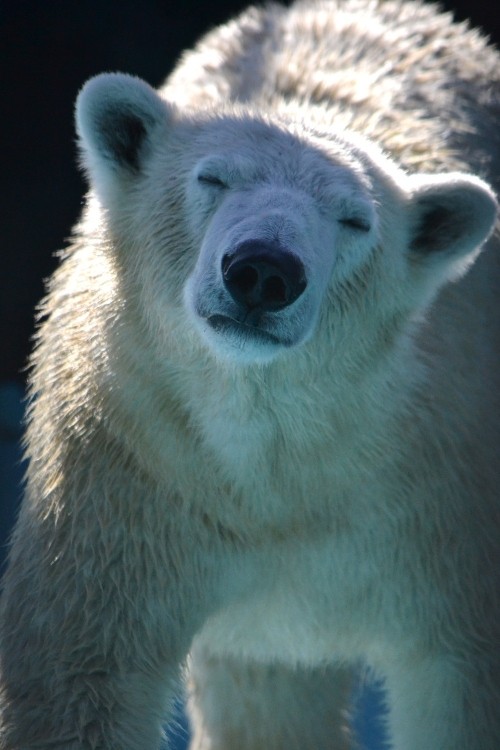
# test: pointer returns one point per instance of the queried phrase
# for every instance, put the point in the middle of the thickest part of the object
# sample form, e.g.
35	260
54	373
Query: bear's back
427	90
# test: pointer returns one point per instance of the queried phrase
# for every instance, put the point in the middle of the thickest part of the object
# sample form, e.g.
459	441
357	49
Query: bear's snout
263	275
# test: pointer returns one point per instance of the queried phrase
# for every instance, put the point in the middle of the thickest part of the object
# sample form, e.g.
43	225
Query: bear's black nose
263	275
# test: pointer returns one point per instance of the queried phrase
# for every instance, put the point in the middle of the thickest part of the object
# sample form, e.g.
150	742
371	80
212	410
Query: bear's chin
241	343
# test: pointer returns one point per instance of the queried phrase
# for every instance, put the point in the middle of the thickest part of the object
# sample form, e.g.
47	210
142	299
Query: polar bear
263	434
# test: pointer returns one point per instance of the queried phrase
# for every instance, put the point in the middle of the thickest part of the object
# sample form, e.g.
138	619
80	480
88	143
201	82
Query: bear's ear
116	117
450	217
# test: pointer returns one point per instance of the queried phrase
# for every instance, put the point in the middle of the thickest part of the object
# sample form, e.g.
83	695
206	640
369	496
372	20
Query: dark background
48	48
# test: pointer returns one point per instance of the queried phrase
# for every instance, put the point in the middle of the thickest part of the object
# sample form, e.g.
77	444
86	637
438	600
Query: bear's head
258	231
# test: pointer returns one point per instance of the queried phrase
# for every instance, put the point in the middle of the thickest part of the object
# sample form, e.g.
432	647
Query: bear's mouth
232	328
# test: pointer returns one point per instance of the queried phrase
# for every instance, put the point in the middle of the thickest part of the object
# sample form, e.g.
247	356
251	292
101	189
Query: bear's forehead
255	148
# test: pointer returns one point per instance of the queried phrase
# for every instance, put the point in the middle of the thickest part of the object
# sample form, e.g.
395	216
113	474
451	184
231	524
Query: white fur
282	492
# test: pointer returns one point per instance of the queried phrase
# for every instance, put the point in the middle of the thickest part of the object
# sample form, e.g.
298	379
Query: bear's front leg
83	680
445	701
99	710
96	618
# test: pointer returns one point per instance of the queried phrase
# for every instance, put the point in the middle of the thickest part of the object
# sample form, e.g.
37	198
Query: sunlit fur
262	509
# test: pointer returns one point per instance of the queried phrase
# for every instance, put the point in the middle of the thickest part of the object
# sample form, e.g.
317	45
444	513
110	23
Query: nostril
263	275
275	290
245	278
